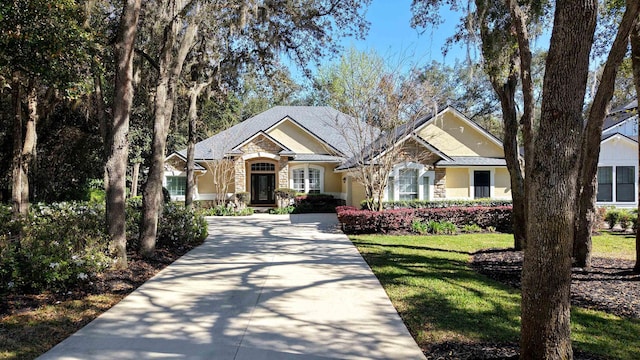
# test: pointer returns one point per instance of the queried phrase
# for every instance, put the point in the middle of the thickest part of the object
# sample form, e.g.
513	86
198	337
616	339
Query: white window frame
614	165
305	168
422	173
492	181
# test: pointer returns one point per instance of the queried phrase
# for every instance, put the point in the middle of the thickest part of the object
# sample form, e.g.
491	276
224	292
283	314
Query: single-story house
618	161
310	149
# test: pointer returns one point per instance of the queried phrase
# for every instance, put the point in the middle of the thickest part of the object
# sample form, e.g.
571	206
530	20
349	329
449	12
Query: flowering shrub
403	220
178	225
60	245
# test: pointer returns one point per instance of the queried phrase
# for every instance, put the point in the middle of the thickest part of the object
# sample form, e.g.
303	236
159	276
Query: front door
262	187
481	184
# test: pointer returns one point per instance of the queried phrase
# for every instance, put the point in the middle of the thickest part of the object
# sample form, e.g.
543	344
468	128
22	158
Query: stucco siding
332	181
457	183
358	194
455	137
502	184
297	139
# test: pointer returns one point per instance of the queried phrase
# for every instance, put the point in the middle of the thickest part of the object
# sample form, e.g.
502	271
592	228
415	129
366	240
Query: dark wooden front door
481	184
262	187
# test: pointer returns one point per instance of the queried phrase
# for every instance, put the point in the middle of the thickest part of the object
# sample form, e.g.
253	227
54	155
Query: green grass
441	298
615	245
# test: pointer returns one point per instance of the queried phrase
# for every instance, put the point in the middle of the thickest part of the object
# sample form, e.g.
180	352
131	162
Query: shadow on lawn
444	293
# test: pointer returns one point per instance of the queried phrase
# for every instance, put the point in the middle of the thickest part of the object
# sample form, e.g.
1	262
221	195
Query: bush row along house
310	149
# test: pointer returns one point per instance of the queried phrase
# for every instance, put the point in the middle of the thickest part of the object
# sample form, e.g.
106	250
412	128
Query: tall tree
590	148
552	186
117	142
255	32
634	39
179	29
42	44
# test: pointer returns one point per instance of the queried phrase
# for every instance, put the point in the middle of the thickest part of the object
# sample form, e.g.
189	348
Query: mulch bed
609	286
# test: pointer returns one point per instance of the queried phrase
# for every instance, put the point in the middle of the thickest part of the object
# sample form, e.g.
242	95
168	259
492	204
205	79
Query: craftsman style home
310	149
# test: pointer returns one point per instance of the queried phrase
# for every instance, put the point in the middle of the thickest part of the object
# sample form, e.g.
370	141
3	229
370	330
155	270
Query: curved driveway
260	287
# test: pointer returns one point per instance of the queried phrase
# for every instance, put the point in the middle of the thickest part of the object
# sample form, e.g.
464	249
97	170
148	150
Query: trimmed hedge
316	203
420	204
400	220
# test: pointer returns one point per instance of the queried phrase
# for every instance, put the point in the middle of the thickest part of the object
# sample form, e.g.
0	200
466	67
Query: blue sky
391	35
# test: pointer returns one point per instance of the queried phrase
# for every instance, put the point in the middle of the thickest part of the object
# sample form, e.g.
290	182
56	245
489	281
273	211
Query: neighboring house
618	161
307	149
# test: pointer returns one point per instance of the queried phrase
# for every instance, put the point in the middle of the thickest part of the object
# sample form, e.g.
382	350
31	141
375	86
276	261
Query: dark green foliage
70	157
316	203
612	217
285	193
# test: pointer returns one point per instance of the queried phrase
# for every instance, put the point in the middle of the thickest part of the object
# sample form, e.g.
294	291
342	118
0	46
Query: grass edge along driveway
442	299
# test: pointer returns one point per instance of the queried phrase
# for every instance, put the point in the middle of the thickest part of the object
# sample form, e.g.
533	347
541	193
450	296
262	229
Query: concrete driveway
260	287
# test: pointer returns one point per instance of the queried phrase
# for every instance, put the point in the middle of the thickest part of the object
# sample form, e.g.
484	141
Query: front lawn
443	300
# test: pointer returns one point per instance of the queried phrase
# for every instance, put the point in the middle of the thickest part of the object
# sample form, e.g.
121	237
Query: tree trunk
116	167
194	92
29	144
635	60
519	21
587	180
19	208
506	94
551	189
134	179
170	70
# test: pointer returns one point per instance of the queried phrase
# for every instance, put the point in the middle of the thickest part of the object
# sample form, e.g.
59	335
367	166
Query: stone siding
440	191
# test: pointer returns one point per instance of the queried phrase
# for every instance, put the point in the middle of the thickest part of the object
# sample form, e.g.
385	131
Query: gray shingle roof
318	157
323	122
471	161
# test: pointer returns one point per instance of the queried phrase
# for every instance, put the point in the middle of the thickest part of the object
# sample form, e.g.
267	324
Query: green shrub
624	219
282	210
133	217
221	210
441	227
612	217
179	225
419	227
244	198
471	228
285	193
61	244
316	203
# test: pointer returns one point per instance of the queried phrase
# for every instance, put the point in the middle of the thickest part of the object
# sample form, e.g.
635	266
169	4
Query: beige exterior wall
332	181
502	188
455	137
457	183
297	139
358	193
